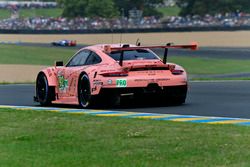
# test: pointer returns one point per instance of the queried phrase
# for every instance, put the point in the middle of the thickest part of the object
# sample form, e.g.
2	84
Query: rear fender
51	76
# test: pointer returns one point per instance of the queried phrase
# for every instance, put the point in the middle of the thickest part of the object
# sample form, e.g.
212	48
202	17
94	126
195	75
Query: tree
212	6
147	6
88	8
103	8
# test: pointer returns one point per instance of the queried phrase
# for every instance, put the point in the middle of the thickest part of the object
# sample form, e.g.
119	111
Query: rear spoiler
108	49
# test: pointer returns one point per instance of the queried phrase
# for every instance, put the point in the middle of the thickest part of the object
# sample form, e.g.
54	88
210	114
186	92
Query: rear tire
178	95
84	92
113	99
109	98
44	92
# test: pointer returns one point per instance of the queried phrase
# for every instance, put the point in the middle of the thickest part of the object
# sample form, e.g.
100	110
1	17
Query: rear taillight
175	71
115	74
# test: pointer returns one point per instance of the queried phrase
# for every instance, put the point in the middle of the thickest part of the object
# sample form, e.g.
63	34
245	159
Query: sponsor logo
110	81
96	83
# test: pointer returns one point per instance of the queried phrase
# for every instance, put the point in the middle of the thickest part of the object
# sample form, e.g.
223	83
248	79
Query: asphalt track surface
222	99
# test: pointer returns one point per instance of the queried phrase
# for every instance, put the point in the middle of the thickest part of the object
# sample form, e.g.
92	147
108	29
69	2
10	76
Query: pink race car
110	71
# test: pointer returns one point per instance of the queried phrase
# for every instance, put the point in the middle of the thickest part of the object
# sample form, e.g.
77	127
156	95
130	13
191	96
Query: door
68	75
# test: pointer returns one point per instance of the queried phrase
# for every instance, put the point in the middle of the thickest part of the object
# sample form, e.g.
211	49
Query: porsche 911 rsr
64	43
109	71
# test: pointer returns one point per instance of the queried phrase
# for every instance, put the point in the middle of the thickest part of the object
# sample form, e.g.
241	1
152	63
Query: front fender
51	75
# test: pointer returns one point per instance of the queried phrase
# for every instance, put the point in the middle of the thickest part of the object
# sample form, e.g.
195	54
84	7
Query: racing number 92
121	83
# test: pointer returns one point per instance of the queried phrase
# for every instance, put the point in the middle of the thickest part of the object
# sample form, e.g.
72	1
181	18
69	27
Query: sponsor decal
110	81
121	83
151	80
63	83
164	79
96	83
140	80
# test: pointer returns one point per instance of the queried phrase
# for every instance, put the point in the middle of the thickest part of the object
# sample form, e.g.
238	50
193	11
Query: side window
93	59
79	59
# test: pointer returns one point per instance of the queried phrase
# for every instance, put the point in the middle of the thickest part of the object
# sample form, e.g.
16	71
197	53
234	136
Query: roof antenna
121	39
138	43
112	36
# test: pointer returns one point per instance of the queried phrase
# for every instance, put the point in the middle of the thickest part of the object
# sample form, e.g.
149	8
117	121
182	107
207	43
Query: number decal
121	83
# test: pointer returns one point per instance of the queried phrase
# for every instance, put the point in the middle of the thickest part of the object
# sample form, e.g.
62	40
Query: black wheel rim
42	88
84	91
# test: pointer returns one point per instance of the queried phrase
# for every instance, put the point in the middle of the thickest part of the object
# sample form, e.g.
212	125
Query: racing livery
64	43
109	71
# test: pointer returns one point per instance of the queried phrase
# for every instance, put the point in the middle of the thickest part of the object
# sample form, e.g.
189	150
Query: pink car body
109	68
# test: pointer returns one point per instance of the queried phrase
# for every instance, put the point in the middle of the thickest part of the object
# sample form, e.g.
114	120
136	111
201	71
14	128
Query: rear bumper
150	89
144	81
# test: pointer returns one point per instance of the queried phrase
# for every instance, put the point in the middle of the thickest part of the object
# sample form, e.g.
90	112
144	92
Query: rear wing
109	49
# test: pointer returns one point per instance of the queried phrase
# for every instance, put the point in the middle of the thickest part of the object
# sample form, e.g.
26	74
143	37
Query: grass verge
13	54
169	11
220	79
212	66
33	138
4	14
25	13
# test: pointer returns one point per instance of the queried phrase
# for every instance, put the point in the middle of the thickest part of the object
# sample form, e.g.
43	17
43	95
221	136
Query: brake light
175	71
115	74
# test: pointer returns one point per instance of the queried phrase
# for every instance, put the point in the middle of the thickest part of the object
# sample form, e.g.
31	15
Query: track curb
151	116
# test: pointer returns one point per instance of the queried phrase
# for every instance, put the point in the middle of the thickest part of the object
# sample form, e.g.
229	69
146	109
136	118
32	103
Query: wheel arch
50	90
50	75
80	75
83	73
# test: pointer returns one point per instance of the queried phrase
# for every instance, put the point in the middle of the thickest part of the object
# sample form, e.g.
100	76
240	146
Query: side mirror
59	63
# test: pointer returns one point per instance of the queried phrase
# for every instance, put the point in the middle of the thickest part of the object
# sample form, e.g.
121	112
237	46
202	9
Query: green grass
221	79
25	13
17	83
33	138
4	13
41	12
12	54
212	66
169	11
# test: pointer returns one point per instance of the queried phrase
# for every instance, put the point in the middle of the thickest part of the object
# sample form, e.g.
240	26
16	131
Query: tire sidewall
87	104
44	101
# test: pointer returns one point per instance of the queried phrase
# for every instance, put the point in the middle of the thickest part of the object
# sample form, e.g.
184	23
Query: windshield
138	54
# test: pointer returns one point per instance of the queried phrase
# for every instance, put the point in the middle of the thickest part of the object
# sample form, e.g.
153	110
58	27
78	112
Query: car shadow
128	103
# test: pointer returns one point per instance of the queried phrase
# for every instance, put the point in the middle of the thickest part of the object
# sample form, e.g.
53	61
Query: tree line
107	8
203	7
117	8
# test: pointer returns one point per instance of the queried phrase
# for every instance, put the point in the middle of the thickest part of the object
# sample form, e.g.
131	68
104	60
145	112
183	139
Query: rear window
138	54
